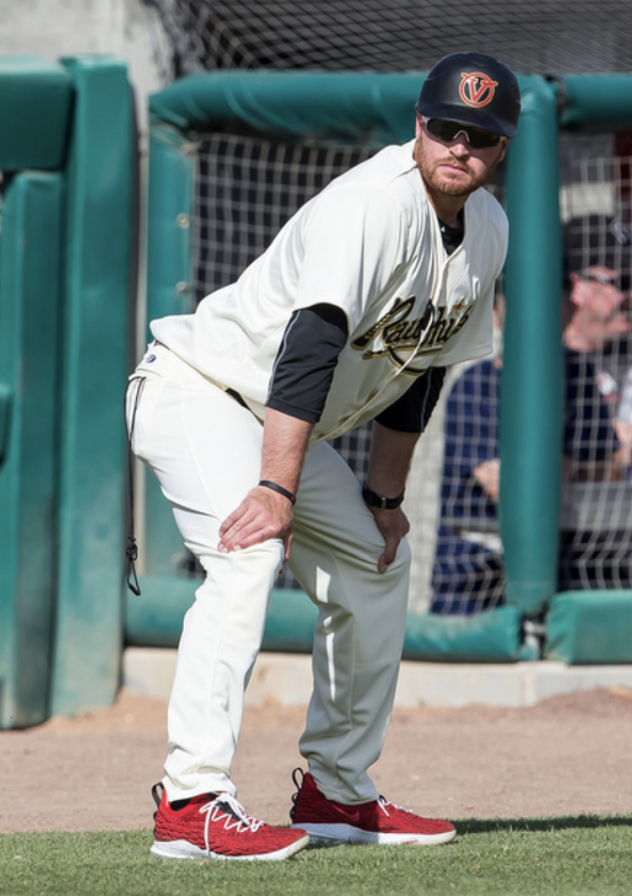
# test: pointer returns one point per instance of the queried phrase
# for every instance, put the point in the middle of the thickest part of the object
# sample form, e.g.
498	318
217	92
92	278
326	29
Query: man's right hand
263	514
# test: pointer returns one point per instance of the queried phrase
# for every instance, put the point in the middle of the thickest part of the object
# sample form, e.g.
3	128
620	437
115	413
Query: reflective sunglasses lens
444	130
448	130
480	139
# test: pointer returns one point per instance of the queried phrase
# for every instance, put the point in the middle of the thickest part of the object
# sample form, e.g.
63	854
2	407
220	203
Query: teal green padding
597	102
290	622
374	108
491	636
170	210
29	311
99	214
530	426
590	627
35	110
155	620
172	169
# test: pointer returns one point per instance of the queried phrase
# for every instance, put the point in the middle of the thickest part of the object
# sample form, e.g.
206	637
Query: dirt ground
564	756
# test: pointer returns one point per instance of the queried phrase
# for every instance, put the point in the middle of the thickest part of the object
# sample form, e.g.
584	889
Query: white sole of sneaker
344	833
182	849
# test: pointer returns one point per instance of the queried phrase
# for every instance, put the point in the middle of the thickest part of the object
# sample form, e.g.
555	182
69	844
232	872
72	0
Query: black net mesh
247	188
540	37
596	517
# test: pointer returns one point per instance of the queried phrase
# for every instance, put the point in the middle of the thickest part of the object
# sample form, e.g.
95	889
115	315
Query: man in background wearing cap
468	573
597	259
352	314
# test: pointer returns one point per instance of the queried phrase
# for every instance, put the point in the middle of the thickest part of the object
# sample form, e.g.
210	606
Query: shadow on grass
484	826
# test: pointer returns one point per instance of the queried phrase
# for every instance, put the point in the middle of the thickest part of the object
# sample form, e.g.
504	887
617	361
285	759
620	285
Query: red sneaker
215	826
376	822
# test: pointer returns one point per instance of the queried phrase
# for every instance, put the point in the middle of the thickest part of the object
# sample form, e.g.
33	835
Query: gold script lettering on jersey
402	337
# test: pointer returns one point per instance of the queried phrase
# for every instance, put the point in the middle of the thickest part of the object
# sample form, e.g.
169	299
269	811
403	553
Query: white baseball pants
205	449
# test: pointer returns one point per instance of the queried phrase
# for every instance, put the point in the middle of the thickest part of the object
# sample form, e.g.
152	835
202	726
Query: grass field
561	857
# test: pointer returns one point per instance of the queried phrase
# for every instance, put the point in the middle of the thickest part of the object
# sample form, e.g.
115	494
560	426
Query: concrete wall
55	28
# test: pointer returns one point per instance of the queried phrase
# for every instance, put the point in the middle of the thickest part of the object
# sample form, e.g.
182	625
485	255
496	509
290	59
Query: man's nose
460	146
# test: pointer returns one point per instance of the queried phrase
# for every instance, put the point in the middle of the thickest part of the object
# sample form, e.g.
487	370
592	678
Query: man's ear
505	144
418	126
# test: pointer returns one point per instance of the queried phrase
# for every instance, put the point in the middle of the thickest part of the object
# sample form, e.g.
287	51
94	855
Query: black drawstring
131	550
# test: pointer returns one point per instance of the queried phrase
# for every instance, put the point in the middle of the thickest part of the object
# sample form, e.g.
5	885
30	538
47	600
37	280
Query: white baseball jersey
371	244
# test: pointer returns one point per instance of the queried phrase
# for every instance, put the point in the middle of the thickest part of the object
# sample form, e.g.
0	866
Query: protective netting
247	188
596	518
596	514
540	36
467	569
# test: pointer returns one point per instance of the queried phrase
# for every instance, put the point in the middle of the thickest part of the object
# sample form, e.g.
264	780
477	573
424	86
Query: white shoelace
383	803
226	807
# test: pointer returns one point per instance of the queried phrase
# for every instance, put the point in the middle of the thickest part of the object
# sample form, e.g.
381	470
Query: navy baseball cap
472	88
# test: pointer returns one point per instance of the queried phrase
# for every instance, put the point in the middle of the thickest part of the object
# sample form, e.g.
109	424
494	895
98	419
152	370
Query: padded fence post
530	431
99	185
593	626
29	309
172	168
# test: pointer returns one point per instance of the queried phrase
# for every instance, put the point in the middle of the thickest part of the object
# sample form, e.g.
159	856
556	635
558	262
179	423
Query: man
468	572
352	314
597	259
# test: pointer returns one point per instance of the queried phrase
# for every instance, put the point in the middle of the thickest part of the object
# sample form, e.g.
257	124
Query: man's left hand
394	525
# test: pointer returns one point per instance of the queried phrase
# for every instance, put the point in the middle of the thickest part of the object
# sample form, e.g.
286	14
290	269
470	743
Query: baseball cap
472	88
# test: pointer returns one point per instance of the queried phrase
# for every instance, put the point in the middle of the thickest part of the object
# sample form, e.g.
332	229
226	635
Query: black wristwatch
374	500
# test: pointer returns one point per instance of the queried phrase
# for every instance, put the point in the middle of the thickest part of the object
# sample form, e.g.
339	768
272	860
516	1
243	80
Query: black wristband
374	500
278	488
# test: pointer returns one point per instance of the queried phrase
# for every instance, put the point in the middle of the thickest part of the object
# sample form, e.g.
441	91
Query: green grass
548	857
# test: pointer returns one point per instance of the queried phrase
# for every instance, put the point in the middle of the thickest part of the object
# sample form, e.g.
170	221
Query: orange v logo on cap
477	89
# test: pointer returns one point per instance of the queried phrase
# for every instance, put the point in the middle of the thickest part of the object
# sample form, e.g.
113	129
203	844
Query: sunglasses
447	131
604	279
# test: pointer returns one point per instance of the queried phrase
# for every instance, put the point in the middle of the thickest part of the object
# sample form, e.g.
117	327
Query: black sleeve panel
306	361
413	410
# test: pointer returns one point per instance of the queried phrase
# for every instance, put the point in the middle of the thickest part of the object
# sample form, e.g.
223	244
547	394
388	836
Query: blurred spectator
596	300
596	536
468	571
467	574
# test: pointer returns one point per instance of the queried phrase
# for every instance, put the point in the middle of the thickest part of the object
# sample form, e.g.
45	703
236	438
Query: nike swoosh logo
350	815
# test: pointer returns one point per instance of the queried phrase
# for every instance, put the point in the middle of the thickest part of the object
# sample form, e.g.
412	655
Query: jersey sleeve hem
292	410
